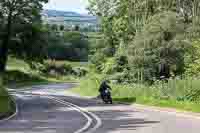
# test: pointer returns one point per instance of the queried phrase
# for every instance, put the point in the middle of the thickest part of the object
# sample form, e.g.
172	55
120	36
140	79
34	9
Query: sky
67	5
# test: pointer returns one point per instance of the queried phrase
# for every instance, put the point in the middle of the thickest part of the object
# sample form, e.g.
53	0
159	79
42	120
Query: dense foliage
72	45
155	35
18	21
23	35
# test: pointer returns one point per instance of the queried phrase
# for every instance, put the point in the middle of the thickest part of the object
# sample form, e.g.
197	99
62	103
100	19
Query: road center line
89	120
83	111
99	122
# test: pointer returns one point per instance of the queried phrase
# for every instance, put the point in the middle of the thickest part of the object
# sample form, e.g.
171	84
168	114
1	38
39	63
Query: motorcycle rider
103	87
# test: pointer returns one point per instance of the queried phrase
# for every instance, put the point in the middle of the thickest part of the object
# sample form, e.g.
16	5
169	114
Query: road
45	109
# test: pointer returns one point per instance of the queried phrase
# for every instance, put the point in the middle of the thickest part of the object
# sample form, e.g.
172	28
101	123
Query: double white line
88	128
85	113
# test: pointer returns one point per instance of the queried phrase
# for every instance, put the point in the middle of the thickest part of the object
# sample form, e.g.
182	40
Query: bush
117	64
192	61
193	95
63	69
15	76
98	60
79	72
121	63
110	66
123	77
54	69
72	46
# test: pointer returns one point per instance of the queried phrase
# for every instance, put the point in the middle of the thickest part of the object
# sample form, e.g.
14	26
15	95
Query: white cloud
67	5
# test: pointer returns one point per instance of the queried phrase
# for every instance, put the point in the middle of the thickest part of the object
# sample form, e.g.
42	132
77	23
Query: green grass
4	104
19	74
15	64
88	86
182	106
73	64
5	101
141	94
95	35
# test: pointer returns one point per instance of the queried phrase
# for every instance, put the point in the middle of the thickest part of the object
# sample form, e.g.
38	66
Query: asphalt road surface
45	109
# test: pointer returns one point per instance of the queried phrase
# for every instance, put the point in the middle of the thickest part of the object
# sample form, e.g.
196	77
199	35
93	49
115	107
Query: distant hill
55	13
65	16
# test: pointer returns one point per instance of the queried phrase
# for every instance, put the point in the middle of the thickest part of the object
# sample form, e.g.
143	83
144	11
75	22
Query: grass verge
19	74
133	93
5	101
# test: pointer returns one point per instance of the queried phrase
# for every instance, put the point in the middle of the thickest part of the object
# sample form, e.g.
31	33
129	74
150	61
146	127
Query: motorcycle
106	96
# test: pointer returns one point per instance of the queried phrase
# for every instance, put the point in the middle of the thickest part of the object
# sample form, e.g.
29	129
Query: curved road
44	109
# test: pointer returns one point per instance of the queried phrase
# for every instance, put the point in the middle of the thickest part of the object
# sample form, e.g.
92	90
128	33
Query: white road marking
89	120
13	115
82	111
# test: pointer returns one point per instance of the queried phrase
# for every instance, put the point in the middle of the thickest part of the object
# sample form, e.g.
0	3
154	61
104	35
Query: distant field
71	17
97	35
14	64
73	64
20	74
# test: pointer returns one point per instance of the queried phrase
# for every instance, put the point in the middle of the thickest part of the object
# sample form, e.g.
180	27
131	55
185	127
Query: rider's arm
109	87
100	88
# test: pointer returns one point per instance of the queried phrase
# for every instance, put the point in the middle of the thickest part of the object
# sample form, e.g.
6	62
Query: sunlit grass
15	64
73	64
19	74
4	99
89	85
160	94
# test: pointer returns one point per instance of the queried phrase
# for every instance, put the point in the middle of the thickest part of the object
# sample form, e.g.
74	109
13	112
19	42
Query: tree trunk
4	46
3	55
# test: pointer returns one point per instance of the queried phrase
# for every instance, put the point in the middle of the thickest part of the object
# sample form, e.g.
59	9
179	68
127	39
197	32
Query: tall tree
62	27
106	10
159	49
13	12
54	27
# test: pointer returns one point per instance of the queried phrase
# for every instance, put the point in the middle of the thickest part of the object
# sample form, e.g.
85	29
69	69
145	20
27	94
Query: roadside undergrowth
5	101
137	93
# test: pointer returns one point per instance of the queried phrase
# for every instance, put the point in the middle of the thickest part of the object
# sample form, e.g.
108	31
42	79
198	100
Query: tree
160	48
62	27
155	34
106	10
31	42
188	9
54	27
71	46
76	28
16	12
122	19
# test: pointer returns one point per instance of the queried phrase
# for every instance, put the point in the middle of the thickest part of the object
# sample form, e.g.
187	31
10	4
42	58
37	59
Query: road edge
11	114
170	111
